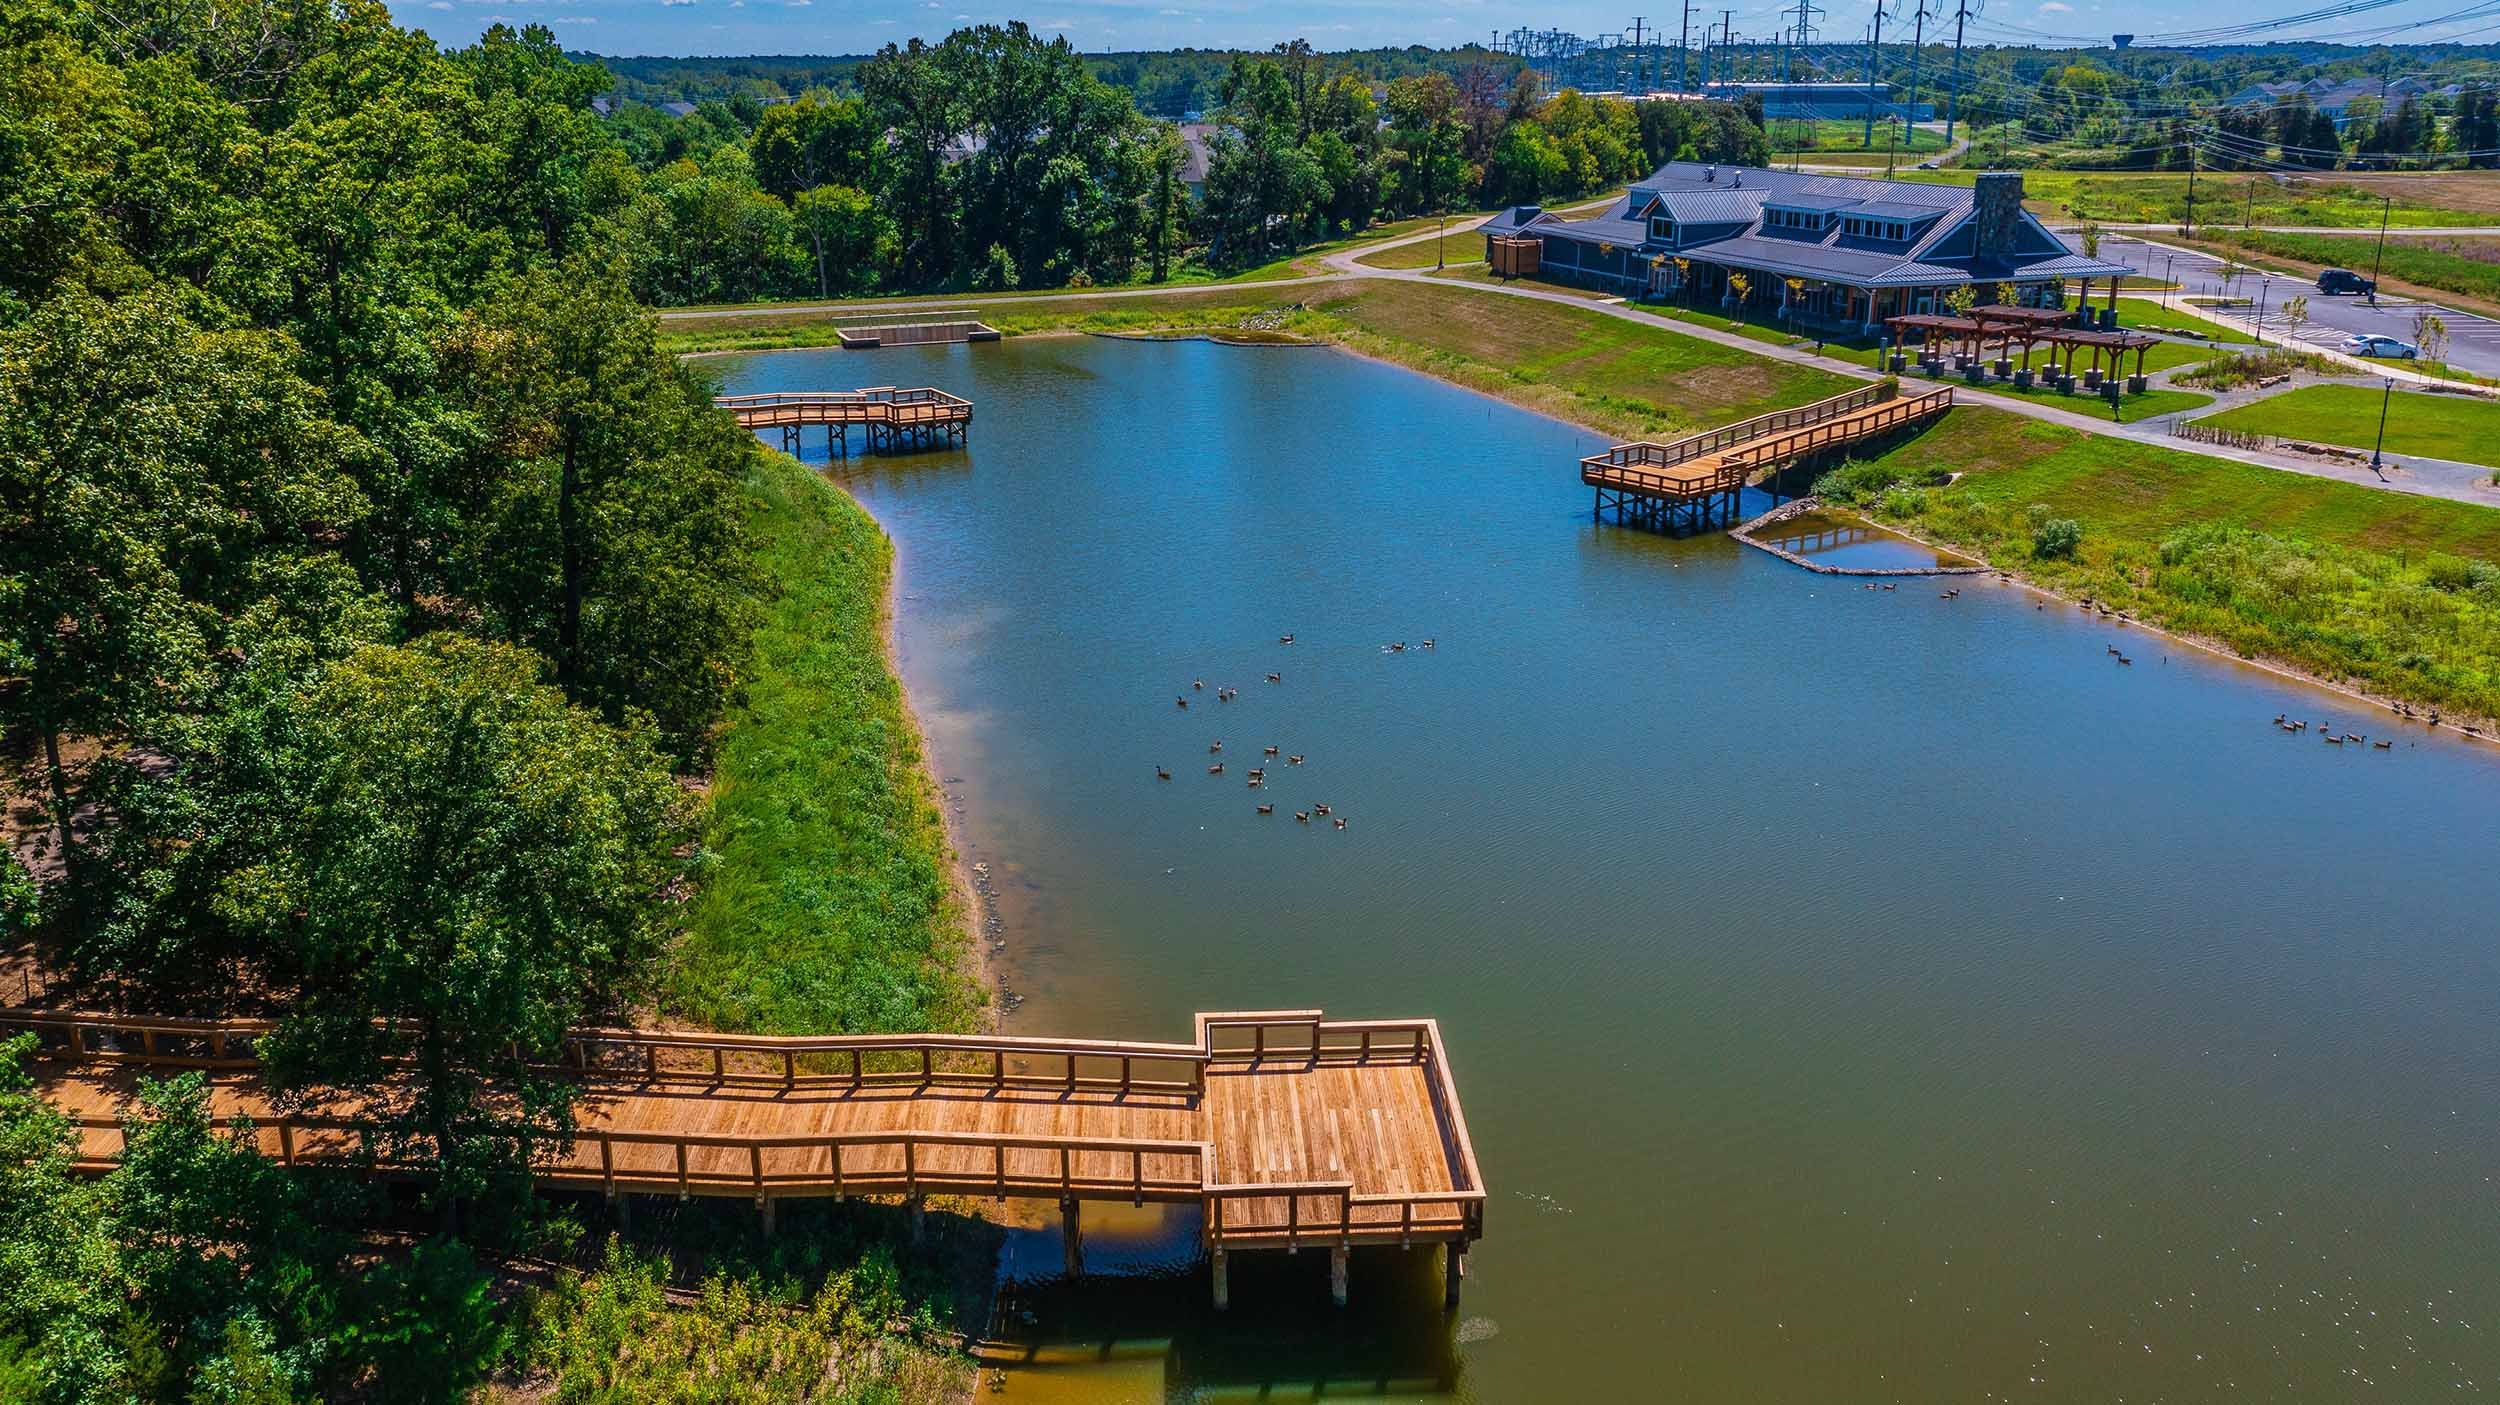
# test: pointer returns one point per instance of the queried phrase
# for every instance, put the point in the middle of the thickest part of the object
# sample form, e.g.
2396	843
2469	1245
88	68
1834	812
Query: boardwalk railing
902	1161
1644	455
1866	424
874	405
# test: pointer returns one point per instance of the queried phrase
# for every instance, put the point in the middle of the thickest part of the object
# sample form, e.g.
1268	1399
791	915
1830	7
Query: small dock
914	334
1288	1130
890	420
1697	482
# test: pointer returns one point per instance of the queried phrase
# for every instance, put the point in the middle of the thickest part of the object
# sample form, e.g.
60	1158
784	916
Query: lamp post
2264	286
2385	398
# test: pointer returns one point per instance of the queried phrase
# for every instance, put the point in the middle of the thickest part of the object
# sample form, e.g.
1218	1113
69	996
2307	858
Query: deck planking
1355	1125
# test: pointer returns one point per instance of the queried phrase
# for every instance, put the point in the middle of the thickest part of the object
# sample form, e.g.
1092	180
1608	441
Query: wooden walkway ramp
889	418
1686	484
1288	1130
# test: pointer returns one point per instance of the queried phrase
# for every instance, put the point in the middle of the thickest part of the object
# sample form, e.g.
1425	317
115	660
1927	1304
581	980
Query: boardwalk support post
1072	1237
764	1205
919	1216
1337	1262
1453	1273
1223	1280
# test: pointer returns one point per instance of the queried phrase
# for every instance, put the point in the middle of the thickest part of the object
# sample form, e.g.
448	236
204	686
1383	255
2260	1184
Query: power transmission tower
1874	49
1953	100
1918	42
1684	49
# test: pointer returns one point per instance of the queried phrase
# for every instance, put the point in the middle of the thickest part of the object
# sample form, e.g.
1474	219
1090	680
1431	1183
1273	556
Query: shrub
1903	501
2056	539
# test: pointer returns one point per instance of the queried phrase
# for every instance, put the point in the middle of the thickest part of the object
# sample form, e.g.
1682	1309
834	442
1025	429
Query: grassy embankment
2439	426
2389	592
1616	376
830	905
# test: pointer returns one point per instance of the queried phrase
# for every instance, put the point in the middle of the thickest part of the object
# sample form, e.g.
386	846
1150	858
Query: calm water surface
1856	995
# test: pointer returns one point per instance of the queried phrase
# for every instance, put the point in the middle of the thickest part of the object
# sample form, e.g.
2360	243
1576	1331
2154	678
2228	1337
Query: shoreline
980	913
2488	728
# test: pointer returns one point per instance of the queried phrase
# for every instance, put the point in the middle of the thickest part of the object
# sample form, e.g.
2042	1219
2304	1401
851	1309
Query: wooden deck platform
891	419
915	334
1688	483
1286	1129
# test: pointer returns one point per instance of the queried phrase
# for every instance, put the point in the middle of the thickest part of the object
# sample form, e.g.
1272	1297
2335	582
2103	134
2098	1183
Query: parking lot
2473	339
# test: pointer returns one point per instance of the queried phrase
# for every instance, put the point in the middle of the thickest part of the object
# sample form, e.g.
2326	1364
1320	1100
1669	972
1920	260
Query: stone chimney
1997	204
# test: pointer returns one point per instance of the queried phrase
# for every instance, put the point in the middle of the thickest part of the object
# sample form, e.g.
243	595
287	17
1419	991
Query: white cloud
440	5
2057	7
673	4
574	19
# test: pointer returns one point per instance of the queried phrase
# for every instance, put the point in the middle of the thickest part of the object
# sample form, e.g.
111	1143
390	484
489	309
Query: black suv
2343	280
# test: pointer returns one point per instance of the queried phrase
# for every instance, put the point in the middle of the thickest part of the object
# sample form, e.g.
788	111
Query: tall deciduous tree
468	868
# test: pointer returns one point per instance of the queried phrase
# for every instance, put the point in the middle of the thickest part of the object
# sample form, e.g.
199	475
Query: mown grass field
1208	309
829	905
1458	246
2150	315
2393	592
2440	426
1609	373
1832	135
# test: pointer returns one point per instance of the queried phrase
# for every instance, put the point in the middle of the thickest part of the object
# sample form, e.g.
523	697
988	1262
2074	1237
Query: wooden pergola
2025	328
2113	345
1967	335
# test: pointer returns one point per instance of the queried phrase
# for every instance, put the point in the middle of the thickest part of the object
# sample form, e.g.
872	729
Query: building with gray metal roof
1834	250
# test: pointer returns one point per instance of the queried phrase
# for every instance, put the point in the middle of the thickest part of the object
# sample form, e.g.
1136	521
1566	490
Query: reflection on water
1856	994
1850	542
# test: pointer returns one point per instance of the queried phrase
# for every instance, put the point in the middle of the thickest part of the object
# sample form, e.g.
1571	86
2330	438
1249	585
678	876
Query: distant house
2333	98
604	105
678	109
1197	152
1838	250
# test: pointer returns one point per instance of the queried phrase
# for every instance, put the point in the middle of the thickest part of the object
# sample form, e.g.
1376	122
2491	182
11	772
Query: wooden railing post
755	1161
911	1165
286	1141
837	1171
1137	1171
607	1164
1000	1166
685	1186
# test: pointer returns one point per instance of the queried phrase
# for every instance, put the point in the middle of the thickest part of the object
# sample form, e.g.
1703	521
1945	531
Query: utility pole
1953	100
1684	49
1918	41
2190	229
1874	50
1638	30
2379	260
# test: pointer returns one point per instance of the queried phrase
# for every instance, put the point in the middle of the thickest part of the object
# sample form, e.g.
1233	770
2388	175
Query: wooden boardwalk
1688	483
889	418
1286	1129
915	334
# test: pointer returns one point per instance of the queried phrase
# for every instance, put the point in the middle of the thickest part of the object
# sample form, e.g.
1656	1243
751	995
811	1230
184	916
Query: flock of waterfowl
1258	774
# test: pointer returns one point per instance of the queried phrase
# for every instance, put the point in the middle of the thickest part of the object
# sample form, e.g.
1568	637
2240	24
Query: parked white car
2381	346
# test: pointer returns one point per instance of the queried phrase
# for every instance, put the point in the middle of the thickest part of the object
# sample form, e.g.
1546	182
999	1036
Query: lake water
1856	995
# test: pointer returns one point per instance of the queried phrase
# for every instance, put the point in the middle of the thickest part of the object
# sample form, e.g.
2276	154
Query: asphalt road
2473	339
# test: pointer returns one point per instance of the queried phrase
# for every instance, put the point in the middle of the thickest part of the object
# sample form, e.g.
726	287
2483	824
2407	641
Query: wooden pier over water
1289	1131
1688	484
891	419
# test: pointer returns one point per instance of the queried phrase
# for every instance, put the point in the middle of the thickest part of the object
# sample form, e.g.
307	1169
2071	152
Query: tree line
995	159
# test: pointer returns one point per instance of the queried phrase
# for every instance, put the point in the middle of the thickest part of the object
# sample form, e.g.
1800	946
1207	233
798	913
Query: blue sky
859	26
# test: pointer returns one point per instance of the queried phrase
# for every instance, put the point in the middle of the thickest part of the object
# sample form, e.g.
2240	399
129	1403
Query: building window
1661	229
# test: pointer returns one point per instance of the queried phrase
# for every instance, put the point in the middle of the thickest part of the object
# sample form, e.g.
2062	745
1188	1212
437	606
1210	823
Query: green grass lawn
1459	246
2393	591
1612	374
2131	408
1754	326
830	906
2148	314
1824	135
2440	426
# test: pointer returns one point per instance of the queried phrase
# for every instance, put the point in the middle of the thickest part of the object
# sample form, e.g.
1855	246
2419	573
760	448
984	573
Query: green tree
816	141
154	478
849	234
467	868
615	541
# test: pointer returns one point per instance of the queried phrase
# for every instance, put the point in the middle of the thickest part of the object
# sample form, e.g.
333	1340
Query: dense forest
997	160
